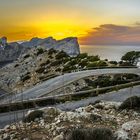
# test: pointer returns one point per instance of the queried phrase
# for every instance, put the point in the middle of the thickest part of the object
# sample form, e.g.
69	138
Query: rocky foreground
103	120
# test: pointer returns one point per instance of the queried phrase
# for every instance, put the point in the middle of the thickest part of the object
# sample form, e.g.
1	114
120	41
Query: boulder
59	137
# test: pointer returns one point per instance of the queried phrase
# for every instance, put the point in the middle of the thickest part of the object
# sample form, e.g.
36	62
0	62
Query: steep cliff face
10	51
69	45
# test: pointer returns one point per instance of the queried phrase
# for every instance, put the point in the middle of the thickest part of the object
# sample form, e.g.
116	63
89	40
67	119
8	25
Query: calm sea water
108	52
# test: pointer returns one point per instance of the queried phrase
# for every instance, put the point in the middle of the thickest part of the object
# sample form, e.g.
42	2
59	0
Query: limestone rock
10	51
59	137
69	45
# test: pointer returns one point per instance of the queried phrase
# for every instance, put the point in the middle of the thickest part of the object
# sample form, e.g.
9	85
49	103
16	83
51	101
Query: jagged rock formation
31	58
69	45
10	51
3	42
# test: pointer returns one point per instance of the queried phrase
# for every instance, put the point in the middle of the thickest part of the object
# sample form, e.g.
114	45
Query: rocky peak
10	51
3	42
69	45
34	42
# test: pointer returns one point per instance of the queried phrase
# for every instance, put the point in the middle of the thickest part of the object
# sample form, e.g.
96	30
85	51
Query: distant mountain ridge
12	51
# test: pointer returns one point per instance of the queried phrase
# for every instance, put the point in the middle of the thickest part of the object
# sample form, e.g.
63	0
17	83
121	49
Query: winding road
60	81
119	96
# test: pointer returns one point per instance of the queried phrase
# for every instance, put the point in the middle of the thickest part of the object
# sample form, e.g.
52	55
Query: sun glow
23	20
43	29
61	30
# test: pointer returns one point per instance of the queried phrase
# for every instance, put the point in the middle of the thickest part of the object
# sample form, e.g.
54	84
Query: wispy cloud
110	34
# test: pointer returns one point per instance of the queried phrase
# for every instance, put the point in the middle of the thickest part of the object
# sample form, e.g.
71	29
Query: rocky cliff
69	45
10	51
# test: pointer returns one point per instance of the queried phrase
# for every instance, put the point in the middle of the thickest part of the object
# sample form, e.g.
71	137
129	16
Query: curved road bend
60	81
119	96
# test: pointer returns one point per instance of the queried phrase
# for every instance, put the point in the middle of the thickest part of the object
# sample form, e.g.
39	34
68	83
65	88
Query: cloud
110	34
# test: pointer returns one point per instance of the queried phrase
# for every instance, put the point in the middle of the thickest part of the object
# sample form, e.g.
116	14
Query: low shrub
45	63
16	65
93	58
102	63
131	103
83	63
58	70
40	70
113	62
61	55
73	62
56	63
40	51
51	51
33	115
68	68
82	55
25	78
26	56
121	63
93	64
91	134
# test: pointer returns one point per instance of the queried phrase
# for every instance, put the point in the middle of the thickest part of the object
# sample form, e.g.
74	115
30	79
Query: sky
92	21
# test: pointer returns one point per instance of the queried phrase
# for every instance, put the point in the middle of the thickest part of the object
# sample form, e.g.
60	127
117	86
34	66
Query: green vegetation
91	65
40	70
51	51
25	78
82	55
61	55
56	63
131	103
121	63
113	62
45	63
102	64
131	57
69	64
106	81
93	58
97	64
33	115
26	56
58	70
91	134
83	63
69	68
16	65
40	51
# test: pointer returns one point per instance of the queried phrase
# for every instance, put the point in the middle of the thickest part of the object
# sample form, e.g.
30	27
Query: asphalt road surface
60	81
119	96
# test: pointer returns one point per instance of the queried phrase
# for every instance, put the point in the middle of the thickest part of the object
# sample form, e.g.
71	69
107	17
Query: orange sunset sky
92	21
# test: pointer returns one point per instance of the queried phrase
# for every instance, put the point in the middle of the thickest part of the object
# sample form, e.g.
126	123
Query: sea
112	53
